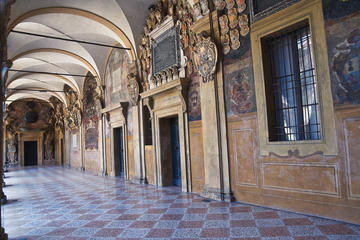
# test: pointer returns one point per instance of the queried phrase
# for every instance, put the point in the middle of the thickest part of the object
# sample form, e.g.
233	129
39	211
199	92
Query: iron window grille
293	105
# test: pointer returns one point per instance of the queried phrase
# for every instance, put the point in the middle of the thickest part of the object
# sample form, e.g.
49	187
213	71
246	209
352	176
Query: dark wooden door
62	152
30	153
175	151
121	152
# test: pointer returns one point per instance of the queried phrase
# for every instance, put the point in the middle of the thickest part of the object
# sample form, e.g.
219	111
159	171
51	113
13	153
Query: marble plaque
165	51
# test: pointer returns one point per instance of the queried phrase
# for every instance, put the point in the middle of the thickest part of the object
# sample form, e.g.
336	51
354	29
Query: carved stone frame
175	91
172	31
310	11
31	136
118	116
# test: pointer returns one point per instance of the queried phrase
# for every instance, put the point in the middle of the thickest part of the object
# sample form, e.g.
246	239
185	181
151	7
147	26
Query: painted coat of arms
346	67
205	58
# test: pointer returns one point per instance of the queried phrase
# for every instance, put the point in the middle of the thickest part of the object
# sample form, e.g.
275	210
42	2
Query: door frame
166	101
123	125
31	152
175	111
117	167
31	136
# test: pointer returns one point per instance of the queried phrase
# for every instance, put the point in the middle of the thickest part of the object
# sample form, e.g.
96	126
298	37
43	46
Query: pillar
216	160
139	165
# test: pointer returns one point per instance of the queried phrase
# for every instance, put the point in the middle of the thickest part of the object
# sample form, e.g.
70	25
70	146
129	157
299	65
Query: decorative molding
164	88
237	164
302	190
348	159
269	11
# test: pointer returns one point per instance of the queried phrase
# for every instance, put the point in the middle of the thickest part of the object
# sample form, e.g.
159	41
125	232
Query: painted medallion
225	41
223	21
233	18
241	5
235	39
219	4
229	4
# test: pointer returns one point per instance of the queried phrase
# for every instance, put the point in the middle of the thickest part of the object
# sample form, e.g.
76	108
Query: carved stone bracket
123	109
149	103
183	95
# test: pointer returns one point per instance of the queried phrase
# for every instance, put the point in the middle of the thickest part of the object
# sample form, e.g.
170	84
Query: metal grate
294	87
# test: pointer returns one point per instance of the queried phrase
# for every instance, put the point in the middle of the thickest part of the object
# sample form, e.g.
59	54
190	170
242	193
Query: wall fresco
30	115
239	86
238	72
193	101
116	73
343	40
129	120
339	8
91	114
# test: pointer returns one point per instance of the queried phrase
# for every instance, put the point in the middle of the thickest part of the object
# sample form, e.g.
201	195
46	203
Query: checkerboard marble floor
60	203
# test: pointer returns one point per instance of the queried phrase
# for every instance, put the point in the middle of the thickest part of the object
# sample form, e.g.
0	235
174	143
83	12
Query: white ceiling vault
110	22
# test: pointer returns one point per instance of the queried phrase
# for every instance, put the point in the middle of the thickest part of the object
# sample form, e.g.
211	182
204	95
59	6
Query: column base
3	235
217	194
3	199
138	180
82	168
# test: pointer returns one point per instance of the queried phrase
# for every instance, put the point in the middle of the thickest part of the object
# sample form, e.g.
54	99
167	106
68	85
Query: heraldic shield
205	58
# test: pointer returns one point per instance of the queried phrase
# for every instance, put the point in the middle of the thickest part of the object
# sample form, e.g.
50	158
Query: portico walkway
60	203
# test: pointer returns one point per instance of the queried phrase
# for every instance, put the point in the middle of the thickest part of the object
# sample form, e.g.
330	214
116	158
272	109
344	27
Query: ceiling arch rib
19	95
39	65
122	37
67	61
51	79
19	43
34	85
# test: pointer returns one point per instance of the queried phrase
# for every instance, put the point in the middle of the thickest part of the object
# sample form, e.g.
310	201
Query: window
295	109
291	87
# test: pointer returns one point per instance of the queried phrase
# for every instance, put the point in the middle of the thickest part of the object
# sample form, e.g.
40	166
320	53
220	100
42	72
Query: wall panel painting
343	40
117	69
239	87
91	114
194	103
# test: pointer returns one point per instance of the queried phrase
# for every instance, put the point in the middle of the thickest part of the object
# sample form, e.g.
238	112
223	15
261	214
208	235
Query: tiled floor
58	203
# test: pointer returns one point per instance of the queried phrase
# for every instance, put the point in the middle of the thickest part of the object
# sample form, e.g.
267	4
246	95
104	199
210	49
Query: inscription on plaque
165	51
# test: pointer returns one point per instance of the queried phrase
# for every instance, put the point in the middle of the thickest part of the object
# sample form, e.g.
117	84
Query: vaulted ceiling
45	64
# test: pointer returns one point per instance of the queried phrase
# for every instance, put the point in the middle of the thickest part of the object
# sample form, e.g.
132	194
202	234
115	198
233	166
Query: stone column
4	14
216	160
139	166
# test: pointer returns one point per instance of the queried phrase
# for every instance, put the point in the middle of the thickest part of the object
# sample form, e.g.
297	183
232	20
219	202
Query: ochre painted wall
317	184
149	161
74	148
196	156
131	157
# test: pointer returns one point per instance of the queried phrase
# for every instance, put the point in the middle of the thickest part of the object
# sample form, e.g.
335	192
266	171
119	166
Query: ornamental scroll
205	57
